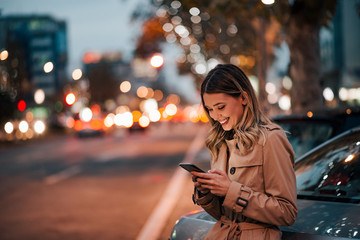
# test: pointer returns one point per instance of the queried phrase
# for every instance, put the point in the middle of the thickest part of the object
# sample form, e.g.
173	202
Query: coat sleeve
277	204
209	202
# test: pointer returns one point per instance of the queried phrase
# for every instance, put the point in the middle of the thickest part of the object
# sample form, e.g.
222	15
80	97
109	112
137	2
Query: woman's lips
224	121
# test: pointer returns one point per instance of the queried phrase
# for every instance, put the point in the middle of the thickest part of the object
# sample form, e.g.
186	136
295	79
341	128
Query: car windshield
332	172
305	135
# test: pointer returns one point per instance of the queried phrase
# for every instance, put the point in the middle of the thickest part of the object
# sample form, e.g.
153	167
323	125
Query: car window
304	136
333	172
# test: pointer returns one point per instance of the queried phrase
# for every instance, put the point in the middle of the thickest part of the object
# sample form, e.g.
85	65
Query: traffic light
21	105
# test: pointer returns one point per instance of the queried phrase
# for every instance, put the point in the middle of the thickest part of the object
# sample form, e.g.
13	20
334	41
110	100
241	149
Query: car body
328	184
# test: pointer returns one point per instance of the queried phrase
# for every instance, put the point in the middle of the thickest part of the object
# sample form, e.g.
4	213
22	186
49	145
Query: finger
205	182
194	178
205	186
199	174
217	171
201	188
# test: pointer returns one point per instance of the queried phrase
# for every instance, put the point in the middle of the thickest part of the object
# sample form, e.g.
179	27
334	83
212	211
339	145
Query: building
340	52
37	55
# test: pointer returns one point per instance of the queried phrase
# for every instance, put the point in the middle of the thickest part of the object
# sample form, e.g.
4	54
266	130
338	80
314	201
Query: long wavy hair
231	80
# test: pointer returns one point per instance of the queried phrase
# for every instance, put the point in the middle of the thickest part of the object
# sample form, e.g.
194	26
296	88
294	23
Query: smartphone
191	167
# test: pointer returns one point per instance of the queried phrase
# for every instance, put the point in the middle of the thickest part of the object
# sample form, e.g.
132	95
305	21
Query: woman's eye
222	107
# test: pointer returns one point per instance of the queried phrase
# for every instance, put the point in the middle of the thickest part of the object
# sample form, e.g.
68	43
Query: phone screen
191	167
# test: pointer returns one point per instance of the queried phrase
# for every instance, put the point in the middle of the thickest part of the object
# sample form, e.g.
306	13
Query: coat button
232	170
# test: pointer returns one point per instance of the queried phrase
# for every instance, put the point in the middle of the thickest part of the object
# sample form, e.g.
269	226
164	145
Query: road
107	187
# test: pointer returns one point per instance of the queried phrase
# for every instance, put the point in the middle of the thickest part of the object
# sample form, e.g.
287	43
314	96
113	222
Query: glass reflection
333	172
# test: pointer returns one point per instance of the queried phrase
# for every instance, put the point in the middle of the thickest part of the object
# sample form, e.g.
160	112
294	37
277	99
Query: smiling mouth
224	121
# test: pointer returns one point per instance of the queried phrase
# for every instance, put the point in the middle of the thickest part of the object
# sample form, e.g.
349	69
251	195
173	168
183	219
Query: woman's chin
226	127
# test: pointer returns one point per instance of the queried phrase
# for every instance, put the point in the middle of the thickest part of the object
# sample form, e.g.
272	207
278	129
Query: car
328	187
308	131
92	128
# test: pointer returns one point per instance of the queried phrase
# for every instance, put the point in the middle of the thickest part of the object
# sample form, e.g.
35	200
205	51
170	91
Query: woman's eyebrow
216	104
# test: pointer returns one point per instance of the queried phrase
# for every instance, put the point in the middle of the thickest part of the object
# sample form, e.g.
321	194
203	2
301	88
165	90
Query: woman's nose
214	115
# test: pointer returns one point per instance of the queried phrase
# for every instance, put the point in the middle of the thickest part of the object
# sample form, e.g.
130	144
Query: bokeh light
23	126
142	92
328	94
150	105
21	105
158	95
194	11
70	99
268	2
287	83
144	121
77	74
109	120
39	127
171	109
4	55
86	114
136	115
173	98
270	88
9	127
157	61
48	67
39	96
285	103
124	119
154	116
125	86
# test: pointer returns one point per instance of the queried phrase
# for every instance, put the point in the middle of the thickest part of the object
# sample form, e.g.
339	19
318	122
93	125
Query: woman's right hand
198	186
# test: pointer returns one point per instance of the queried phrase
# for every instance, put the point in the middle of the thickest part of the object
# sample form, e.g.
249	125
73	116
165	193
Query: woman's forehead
211	99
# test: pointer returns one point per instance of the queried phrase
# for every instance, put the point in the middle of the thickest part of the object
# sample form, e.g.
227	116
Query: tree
233	30
302	23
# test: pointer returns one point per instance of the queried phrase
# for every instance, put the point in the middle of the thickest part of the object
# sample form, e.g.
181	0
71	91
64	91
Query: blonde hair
231	80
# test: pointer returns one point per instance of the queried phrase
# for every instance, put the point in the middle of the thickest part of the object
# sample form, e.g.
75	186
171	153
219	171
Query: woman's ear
244	98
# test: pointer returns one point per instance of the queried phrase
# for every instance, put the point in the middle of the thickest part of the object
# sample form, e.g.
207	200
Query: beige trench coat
262	194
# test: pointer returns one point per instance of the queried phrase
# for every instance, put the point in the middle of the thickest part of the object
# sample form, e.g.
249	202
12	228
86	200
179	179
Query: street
105	187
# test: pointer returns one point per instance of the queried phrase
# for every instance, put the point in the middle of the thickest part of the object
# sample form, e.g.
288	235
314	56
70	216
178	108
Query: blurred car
328	184
91	128
137	128
305	133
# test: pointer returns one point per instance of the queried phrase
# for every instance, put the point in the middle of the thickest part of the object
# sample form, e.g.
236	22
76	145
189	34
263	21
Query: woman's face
225	109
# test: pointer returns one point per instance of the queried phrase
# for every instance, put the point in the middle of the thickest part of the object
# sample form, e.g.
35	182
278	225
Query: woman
251	187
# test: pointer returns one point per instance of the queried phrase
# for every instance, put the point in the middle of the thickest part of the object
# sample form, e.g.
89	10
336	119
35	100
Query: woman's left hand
215	180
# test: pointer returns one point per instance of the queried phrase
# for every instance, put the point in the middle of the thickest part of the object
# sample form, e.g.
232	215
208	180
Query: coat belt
235	228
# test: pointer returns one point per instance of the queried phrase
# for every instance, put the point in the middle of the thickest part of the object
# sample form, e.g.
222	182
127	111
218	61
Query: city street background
64	187
100	101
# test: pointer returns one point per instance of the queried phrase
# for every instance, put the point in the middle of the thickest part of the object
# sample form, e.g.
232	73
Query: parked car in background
328	184
308	131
